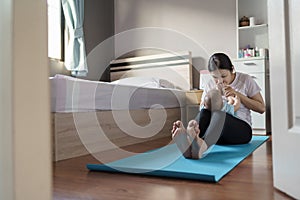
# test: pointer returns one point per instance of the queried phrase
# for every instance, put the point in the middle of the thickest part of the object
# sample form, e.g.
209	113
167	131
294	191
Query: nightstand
193	100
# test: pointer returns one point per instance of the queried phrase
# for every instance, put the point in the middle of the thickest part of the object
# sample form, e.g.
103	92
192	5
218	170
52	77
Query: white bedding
70	94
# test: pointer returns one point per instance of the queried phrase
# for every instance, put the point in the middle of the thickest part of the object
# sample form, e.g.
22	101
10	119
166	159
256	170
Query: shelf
251	58
253	27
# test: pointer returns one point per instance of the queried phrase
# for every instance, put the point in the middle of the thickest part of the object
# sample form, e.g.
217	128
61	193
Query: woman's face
223	76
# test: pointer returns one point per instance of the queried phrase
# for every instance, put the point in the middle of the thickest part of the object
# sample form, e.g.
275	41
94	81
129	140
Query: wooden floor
251	179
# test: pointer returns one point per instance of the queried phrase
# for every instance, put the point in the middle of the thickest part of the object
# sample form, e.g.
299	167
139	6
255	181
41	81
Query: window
55	30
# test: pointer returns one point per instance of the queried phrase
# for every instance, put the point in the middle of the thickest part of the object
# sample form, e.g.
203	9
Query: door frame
285	134
6	134
25	137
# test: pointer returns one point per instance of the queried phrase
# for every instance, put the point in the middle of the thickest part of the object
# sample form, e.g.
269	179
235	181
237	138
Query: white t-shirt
244	84
228	108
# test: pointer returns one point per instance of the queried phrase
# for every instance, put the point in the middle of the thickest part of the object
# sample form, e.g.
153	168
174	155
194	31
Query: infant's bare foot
180	137
198	146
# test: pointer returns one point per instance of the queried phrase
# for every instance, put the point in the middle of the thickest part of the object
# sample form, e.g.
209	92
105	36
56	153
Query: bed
145	95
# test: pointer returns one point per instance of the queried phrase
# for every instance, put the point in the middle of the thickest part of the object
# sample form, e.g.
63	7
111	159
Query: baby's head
213	100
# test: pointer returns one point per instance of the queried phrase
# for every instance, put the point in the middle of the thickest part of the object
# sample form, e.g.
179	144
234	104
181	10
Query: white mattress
77	95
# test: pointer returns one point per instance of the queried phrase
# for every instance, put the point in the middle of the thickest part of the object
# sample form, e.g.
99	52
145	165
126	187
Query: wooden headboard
174	67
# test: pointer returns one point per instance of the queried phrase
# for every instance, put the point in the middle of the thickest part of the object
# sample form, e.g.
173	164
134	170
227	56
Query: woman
217	126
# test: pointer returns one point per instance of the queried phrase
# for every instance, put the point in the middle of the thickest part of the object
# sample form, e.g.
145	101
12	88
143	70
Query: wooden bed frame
174	67
67	133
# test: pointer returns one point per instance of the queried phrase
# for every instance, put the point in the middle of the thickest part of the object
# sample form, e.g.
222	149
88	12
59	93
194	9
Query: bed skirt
73	132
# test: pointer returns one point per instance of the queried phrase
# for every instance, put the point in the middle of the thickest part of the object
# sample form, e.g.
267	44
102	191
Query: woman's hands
229	91
235	101
255	103
230	94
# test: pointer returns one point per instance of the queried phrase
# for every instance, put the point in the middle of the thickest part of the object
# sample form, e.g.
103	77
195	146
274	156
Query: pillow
167	84
148	82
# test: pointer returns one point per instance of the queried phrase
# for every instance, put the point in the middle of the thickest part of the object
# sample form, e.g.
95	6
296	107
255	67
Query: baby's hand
235	101
231	100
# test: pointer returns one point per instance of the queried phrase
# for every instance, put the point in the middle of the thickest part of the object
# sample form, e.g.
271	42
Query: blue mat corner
168	162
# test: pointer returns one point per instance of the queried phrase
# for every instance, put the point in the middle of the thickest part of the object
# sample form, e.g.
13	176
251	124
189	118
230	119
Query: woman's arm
255	103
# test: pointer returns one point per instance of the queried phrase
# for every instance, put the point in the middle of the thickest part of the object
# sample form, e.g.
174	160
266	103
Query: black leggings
222	128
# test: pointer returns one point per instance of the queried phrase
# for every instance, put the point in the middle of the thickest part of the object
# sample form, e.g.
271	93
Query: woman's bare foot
179	135
198	146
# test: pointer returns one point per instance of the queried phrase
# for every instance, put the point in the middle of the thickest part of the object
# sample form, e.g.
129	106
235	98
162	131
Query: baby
187	140
213	101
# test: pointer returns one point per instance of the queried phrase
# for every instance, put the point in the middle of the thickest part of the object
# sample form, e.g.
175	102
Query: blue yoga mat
169	162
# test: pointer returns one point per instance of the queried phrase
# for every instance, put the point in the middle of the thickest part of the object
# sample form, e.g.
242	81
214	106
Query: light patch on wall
54	29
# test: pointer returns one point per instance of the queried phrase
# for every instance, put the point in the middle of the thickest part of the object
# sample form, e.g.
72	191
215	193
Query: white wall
211	23
25	156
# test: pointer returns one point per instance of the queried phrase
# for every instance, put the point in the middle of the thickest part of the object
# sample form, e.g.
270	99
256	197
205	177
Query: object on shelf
249	52
244	21
263	52
256	51
251	21
241	53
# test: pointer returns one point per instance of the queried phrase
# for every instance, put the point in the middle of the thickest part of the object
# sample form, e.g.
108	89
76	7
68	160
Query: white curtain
75	55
